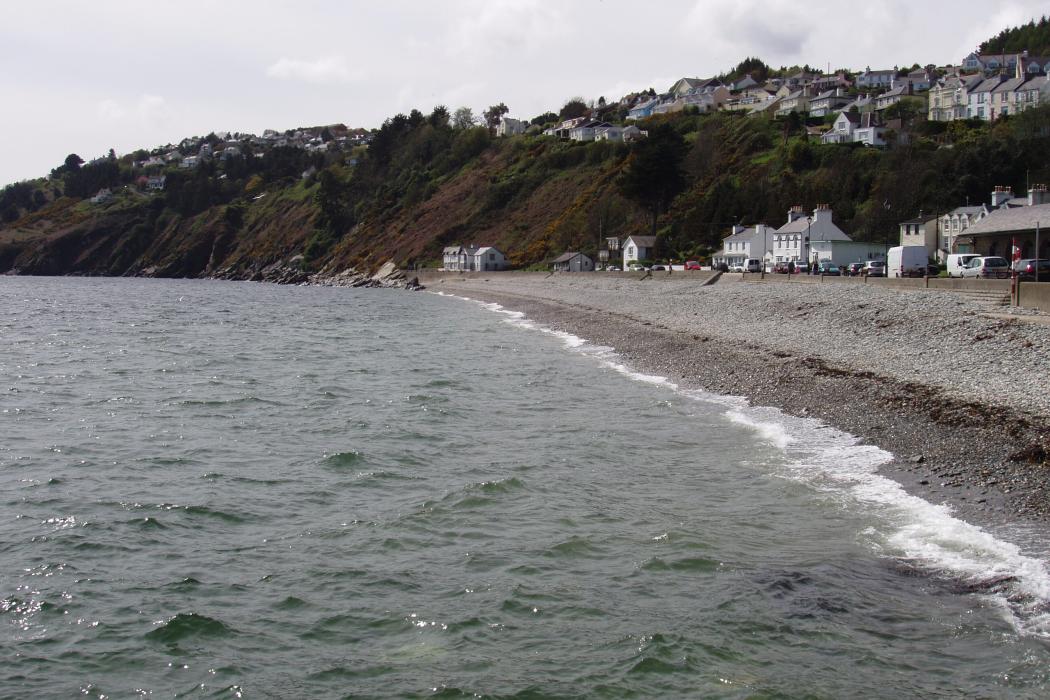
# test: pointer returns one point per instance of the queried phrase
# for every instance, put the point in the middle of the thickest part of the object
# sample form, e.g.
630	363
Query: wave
909	528
189	626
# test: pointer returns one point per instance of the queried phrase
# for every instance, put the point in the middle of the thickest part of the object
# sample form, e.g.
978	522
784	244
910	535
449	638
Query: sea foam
923	534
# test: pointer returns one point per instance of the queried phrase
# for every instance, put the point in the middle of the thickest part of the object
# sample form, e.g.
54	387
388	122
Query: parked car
987	267
612	268
635	268
829	269
752	265
854	269
692	265
874	268
1027	268
957	262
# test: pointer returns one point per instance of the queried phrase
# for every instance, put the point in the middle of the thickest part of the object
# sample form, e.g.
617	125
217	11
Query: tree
463	118
654	176
73	162
572	109
546	118
493	115
439	117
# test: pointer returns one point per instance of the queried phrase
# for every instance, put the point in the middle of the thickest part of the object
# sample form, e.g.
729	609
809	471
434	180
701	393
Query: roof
642	241
1009	220
486	249
987	85
967	210
566	257
800	226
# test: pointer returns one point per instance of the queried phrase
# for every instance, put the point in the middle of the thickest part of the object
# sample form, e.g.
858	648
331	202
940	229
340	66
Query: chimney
1037	195
822	213
795	213
1001	195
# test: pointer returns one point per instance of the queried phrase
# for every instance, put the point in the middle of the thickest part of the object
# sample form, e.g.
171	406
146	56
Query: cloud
773	28
508	27
147	109
325	70
110	111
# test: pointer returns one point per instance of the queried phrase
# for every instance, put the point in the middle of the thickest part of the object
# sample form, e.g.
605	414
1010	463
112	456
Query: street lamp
809	223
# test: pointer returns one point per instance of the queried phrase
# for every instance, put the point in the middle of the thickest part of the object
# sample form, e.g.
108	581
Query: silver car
987	267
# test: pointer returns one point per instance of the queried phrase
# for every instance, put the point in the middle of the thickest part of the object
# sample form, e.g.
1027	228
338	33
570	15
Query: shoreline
946	449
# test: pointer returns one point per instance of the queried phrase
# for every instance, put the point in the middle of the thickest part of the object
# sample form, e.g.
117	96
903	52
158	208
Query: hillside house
875	79
828	102
102	196
155	183
842	130
510	127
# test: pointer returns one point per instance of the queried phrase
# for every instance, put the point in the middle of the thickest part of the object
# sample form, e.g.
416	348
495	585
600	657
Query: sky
78	77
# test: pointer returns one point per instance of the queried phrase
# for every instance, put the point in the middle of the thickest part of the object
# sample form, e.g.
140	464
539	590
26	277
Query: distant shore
958	392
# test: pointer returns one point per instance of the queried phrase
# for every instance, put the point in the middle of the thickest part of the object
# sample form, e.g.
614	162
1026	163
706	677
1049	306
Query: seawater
214	489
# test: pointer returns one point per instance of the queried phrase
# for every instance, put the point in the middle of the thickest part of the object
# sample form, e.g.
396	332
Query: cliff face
422	185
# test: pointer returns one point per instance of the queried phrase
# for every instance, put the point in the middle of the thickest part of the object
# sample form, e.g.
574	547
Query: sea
239	490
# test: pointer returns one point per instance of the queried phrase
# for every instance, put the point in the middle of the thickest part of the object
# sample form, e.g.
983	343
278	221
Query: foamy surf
922	534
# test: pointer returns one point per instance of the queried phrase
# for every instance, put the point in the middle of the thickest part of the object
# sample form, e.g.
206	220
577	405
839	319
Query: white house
875	79
573	262
921	231
102	196
805	238
510	127
489	259
637	248
587	130
459	258
955	223
156	182
842	130
744	243
618	133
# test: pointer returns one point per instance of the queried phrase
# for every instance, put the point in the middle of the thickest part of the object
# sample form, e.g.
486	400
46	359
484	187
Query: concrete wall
1034	295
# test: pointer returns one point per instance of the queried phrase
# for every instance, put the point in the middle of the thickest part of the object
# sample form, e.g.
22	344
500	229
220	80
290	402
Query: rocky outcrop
388	276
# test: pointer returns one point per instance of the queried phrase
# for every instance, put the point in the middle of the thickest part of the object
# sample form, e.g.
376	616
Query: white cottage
743	244
806	238
637	248
489	259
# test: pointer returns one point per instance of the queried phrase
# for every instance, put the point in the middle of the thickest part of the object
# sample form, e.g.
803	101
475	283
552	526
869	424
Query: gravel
961	396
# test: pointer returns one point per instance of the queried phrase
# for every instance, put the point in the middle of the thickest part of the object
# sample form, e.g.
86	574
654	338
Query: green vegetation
427	181
1033	37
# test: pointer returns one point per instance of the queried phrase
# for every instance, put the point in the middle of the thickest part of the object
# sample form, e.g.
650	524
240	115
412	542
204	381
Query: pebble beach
956	390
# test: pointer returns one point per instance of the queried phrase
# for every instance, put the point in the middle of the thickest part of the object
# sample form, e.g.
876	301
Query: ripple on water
186	626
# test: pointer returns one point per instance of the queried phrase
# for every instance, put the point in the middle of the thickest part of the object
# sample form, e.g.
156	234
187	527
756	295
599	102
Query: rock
916	459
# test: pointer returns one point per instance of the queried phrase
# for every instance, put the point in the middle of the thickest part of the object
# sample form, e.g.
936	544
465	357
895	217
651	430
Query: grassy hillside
422	185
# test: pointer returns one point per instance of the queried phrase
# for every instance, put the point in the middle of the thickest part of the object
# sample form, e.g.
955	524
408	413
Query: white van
906	261
752	265
957	261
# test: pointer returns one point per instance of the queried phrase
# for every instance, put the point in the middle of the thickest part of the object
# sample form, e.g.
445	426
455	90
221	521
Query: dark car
829	269
1027	268
854	269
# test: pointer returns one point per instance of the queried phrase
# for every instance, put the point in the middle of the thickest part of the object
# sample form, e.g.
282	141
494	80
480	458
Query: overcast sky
84	77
